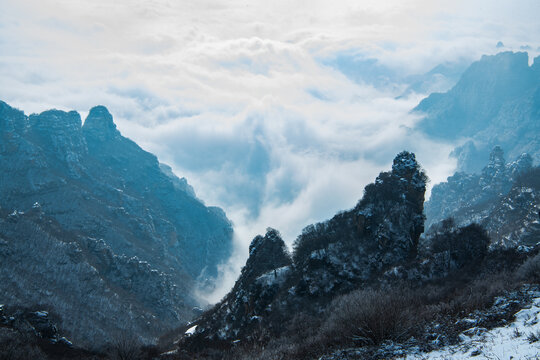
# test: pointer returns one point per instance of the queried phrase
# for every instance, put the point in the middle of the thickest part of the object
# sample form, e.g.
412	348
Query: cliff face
130	232
496	102
352	249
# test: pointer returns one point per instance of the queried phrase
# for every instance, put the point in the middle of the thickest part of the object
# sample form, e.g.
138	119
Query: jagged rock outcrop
241	311
33	333
351	250
514	219
121	226
33	324
502	198
380	232
496	102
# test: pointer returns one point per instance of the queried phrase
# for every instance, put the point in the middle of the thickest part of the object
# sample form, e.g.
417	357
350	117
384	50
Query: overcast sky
280	112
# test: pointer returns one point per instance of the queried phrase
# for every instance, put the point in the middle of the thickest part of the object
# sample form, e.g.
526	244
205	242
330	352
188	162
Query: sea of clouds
279	112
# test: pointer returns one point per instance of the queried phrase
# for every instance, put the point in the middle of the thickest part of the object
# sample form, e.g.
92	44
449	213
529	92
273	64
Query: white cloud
248	99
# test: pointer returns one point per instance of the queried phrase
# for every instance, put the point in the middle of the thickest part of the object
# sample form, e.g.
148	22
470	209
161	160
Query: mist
278	113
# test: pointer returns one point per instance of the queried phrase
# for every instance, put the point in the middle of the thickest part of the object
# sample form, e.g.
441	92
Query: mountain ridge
495	102
142	230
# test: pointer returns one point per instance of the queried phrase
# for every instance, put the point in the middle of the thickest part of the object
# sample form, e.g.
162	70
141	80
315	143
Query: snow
42	314
191	330
274	277
508	342
172	352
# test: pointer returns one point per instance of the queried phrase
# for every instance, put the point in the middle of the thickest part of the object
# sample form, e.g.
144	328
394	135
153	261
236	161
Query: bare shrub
370	317
16	347
533	337
481	293
530	270
126	347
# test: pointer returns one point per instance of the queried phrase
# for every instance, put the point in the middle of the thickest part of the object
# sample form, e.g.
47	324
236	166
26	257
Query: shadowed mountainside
87	214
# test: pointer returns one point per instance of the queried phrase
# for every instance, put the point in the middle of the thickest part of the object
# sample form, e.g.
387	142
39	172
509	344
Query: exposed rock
239	313
117	224
99	124
496	101
352	249
497	198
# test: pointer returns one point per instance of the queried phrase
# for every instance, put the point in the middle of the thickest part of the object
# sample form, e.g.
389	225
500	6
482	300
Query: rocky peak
405	183
352	249
508	59
12	123
266	253
496	167
496	157
11	119
506	68
474	197
60	133
53	120
99	124
93	182
404	164
391	212
483	92
405	167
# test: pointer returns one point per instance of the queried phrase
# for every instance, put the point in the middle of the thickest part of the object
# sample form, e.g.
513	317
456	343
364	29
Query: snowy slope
517	340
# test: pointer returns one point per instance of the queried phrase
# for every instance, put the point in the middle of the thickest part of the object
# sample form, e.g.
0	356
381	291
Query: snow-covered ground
518	340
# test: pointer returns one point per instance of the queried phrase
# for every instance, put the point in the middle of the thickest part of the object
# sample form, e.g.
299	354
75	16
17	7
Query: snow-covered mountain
95	228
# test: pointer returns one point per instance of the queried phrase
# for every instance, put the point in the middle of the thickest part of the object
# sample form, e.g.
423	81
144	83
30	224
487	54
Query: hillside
93	224
495	102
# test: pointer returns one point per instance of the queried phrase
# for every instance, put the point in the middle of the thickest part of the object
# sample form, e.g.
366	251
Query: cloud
280	112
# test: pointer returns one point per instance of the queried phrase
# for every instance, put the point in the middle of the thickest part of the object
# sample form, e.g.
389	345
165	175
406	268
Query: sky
280	112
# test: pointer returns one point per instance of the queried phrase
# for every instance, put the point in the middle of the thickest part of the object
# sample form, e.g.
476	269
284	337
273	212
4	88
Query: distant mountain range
95	228
495	102
494	110
105	241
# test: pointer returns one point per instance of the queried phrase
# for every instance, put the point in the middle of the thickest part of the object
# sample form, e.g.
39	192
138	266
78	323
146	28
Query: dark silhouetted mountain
98	228
500	198
352	249
495	102
364	270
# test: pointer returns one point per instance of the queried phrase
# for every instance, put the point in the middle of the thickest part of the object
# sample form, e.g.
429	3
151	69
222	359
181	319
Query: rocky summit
334	257
94	228
495	102
368	284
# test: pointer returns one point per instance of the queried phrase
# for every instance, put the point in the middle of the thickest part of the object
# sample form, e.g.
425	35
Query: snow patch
191	330
274	277
518	340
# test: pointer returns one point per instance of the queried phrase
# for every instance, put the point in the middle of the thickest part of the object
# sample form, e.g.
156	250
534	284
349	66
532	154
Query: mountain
365	285
95	228
503	198
495	102
351	250
441	78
